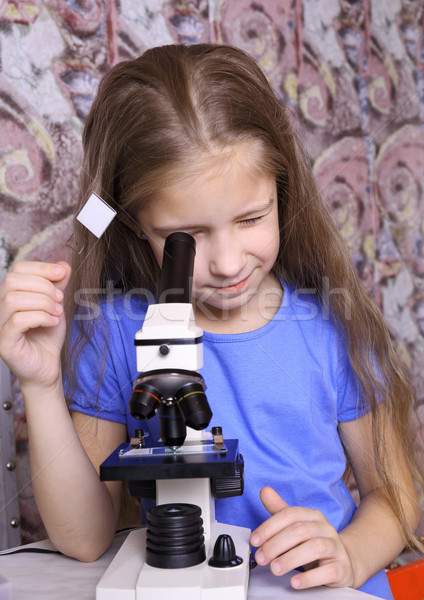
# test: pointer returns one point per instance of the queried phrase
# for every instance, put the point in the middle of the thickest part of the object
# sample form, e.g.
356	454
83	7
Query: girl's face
231	211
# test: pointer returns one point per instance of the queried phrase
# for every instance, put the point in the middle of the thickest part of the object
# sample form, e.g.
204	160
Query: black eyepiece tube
177	268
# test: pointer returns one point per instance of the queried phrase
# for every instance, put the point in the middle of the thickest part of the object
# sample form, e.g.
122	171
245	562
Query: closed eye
252	221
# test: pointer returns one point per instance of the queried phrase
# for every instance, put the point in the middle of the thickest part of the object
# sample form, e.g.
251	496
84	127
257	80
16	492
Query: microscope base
128	577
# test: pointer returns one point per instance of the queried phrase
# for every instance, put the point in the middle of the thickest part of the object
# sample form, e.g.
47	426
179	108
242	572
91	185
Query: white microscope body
183	553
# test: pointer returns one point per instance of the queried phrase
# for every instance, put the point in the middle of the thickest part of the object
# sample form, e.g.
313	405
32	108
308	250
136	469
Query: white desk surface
58	577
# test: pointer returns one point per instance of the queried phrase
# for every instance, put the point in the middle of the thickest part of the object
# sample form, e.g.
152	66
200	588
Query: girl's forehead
247	157
214	196
215	183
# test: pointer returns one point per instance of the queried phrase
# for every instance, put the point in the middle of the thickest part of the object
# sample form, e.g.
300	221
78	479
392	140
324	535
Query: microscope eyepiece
177	268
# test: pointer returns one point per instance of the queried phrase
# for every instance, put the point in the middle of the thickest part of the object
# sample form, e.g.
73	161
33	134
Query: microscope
183	553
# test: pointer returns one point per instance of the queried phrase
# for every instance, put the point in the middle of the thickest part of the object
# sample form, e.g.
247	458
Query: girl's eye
192	233
252	221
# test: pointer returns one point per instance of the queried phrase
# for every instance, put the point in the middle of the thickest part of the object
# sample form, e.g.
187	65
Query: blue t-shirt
281	390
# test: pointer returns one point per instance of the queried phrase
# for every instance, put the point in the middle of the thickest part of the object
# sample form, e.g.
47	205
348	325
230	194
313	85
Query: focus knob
224	553
229	485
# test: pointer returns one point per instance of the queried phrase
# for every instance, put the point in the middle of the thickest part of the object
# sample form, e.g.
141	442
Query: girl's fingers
27	282
15	302
291	538
39	295
282	519
271	500
22	322
51	271
64	280
308	552
331	575
19	324
27	287
32	323
44	278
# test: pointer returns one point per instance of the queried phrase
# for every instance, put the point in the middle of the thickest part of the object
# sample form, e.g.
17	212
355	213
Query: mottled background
352	71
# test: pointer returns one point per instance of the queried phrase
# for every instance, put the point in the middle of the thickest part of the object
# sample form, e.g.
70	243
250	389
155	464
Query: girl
298	363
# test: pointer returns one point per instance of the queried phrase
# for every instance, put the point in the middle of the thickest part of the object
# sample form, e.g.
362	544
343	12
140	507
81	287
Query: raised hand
32	322
296	537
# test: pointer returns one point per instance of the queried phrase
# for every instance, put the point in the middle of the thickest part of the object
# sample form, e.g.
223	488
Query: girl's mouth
235	287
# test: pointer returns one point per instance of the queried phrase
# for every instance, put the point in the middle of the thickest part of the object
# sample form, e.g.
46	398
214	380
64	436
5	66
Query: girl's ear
132	224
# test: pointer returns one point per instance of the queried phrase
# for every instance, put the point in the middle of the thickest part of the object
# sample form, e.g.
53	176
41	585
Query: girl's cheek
196	279
199	278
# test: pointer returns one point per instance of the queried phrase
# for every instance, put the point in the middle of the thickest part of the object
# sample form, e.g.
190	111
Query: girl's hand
294	537
32	322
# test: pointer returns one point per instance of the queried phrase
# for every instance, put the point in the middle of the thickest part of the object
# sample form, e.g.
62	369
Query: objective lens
144	400
171	426
194	406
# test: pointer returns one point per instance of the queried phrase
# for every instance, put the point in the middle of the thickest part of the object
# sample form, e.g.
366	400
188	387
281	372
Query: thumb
271	500
62	283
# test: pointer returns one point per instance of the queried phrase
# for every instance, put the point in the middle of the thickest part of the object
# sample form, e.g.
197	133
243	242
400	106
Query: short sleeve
351	402
105	368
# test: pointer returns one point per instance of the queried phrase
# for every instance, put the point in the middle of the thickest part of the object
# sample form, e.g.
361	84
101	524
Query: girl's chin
218	302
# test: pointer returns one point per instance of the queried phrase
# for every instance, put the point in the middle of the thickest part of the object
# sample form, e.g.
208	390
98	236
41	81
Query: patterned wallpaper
352	71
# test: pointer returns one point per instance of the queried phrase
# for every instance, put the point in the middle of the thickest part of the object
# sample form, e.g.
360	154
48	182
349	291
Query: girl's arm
374	537
79	511
295	536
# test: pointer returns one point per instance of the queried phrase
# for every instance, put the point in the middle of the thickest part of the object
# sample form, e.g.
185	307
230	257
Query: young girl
298	363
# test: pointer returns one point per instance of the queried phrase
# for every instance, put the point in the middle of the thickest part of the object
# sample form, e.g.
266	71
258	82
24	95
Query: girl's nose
227	258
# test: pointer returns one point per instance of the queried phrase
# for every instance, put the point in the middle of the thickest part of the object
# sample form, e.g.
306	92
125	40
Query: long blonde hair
150	119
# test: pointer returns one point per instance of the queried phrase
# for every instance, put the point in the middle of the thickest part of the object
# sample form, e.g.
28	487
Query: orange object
407	582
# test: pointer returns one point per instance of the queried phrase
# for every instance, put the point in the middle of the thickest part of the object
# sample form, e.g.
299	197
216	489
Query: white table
55	576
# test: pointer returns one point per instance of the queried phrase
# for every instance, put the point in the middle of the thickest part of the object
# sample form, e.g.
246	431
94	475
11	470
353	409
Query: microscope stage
158	462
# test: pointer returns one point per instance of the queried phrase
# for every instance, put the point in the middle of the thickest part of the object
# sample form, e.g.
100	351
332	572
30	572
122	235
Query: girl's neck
257	312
